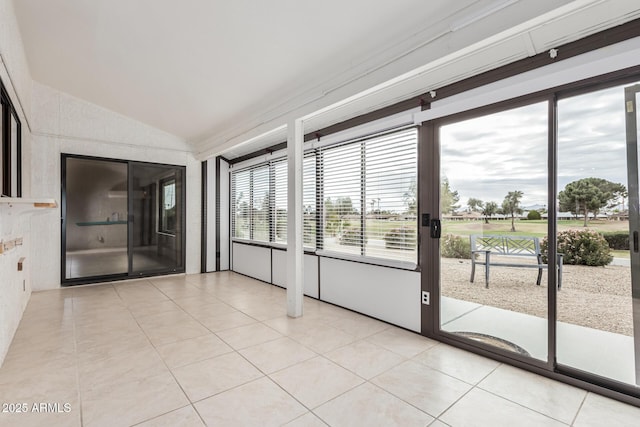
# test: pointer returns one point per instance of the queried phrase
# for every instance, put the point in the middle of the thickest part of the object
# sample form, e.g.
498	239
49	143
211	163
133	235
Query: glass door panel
96	218
595	328
157	209
493	200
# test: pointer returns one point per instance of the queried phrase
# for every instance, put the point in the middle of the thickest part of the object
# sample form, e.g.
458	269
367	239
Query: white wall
252	261
64	124
279	269
388	294
14	73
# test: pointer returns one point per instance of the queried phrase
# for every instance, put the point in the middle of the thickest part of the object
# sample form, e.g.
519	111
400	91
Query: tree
511	206
589	195
475	205
448	197
411	198
489	209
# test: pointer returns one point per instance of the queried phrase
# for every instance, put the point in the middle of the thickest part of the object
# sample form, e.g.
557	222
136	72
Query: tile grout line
164	362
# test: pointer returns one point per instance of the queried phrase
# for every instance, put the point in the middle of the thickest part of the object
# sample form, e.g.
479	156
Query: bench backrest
506	245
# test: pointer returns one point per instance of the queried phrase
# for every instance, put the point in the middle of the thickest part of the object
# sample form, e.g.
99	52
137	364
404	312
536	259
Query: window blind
370	197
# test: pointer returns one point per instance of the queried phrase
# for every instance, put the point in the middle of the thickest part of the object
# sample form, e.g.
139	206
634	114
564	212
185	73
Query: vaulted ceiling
197	68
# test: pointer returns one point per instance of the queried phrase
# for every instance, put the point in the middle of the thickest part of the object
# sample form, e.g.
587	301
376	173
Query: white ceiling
219	73
193	67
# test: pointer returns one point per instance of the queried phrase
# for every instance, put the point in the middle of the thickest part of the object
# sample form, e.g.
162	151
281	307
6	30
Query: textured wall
15	286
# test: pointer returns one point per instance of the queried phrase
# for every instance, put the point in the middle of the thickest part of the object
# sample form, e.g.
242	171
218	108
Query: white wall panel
252	261
310	272
387	294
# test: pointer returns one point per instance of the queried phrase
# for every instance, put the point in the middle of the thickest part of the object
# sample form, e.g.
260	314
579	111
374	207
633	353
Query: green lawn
526	228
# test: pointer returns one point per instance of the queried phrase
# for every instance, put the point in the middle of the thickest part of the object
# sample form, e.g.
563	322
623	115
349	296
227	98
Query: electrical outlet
426	298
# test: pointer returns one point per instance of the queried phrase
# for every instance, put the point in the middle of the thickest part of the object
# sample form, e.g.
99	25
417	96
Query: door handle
436	228
635	242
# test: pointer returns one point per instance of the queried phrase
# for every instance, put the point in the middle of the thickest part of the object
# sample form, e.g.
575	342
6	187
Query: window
167	218
359	198
260	204
10	148
250	192
370	197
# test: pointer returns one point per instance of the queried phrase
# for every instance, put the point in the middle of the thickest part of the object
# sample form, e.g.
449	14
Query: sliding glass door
120	219
493	204
532	226
157	218
95	215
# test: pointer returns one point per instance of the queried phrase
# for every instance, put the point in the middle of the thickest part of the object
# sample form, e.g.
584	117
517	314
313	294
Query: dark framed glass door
120	219
530	246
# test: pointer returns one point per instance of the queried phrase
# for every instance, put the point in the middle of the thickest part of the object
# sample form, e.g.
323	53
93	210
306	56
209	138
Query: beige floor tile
323	338
145	309
258	403
131	402
307	420
479	408
203	379
600	411
183	417
360	327
278	354
196	301
104	339
166	318
316	381
160	335
364	358
221	322
192	350
266	312
368	405
210	310
438	423
293	326
552	398
246	336
426	389
131	365
47	381
458	363
404	343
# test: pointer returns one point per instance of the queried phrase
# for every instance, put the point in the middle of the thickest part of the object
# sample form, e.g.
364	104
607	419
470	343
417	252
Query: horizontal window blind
359	198
370	195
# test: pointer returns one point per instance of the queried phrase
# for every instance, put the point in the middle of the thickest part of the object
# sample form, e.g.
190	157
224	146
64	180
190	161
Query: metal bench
483	246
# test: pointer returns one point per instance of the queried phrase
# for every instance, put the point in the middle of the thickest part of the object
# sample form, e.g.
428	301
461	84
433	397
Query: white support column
295	249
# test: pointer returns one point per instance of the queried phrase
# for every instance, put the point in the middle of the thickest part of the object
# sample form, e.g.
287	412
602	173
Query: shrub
455	247
534	215
581	247
401	238
617	241
351	237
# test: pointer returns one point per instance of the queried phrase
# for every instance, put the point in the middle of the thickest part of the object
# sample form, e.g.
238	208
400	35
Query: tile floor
218	349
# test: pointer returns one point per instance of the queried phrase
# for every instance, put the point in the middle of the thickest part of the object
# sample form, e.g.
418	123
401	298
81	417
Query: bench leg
486	270
539	276
473	269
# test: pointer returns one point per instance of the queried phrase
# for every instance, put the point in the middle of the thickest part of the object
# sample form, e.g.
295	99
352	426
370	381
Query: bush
351	237
401	238
455	247
581	247
617	241
534	215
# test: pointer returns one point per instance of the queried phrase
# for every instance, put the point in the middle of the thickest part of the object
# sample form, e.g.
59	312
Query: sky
489	156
